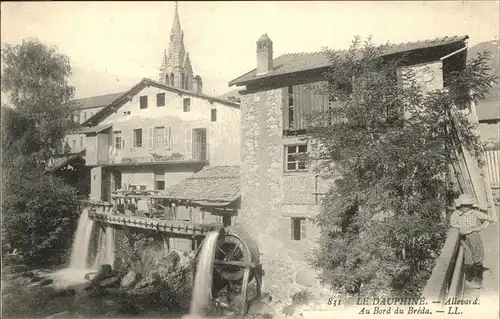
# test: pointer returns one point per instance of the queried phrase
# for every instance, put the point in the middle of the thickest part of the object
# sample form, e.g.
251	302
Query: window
81	141
186	106
118	180
298	228
84	116
214	115
138	138
160	99
118	139
79	117
143	102
159	137
293	162
74	144
159	180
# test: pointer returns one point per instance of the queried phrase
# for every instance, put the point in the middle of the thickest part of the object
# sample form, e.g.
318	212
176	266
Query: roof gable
95	101
300	62
127	96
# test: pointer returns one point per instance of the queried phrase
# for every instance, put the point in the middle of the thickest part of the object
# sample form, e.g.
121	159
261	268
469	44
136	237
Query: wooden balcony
144	155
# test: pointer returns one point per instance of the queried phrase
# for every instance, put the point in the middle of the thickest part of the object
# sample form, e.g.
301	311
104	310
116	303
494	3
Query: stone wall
266	213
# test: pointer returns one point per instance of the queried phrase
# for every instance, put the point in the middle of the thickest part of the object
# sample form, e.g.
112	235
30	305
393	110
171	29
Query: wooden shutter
123	142
188	141
303	228
284	103
168	138
292	229
151	137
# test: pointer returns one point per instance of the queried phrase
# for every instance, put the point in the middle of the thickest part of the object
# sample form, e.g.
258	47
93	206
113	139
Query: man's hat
465	200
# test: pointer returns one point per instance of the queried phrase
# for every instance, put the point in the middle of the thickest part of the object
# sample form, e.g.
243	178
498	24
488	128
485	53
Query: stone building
279	193
157	133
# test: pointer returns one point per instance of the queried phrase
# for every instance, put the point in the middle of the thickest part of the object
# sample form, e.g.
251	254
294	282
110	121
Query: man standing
469	222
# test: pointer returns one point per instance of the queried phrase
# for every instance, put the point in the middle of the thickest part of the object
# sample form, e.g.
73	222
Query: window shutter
291	228
123	143
188	141
150	135
284	106
168	138
303	228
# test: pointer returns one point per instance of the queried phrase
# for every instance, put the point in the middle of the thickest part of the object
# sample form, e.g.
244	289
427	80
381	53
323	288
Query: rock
46	282
305	278
28	274
90	275
129	280
109	282
63	314
258	307
222	301
36	279
17	269
64	293
266	297
141	284
103	273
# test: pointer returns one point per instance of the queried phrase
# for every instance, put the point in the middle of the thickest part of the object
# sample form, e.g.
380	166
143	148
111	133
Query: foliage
40	214
35	80
386	143
39	211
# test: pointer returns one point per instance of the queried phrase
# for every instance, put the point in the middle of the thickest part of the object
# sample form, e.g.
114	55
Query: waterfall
78	267
80	249
105	246
203	280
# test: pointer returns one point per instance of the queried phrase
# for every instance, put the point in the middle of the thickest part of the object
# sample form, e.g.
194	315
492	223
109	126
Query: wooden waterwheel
236	264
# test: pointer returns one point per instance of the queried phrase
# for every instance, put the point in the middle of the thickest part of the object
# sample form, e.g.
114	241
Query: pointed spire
176	25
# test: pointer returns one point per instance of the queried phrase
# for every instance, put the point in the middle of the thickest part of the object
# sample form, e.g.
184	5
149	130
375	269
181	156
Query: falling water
106	246
80	249
203	280
77	269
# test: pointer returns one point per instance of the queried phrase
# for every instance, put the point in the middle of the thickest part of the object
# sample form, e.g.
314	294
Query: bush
40	216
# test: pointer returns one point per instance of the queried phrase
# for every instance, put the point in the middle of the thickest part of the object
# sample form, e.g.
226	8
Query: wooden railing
447	278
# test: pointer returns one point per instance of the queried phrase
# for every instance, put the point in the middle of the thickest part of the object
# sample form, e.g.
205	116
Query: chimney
197	85
264	55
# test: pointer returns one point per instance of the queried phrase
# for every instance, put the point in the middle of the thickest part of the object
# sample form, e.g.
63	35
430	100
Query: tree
38	210
35	80
386	144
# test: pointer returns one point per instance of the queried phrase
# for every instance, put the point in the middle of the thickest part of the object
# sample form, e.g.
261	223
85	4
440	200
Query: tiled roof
122	97
212	186
91	129
95	101
60	162
297	62
488	110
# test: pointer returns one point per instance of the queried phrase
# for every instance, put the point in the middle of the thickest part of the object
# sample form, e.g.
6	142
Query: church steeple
176	67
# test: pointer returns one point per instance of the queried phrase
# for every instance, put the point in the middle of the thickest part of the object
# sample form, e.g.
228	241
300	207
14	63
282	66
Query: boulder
64	292
36	279
110	282
258	307
17	269
103	273
129	280
141	284
28	274
90	275
46	282
305	278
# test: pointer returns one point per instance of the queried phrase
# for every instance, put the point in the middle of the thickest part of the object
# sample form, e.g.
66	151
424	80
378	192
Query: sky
112	45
